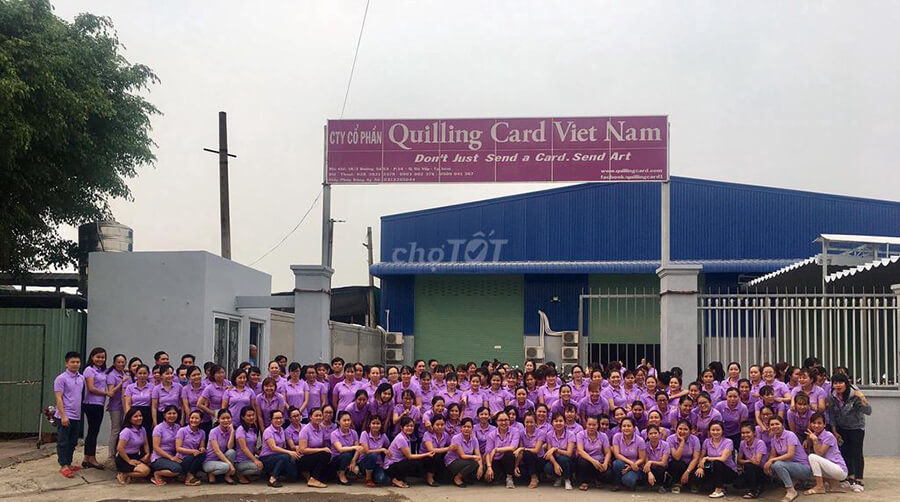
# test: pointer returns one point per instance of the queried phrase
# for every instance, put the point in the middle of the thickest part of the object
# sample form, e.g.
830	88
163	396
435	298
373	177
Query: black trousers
405	468
852	451
147	423
316	464
93	413
465	469
718	475
659	472
193	464
585	472
504	466
753	478
676	470
435	465
530	464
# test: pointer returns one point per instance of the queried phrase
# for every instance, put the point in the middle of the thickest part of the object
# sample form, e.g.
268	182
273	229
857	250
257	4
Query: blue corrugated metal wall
398	296
539	293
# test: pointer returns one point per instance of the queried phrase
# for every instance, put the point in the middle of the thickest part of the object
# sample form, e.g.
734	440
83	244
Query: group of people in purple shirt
464	424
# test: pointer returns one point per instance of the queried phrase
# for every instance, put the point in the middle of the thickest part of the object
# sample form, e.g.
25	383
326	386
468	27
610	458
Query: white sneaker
846	484
716	494
557	483
568	485
509	482
858	488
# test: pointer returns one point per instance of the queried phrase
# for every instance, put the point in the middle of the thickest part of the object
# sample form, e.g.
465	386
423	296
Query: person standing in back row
68	387
847	408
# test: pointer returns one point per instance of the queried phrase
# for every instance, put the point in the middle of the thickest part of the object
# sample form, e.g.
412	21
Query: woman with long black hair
847	408
95	394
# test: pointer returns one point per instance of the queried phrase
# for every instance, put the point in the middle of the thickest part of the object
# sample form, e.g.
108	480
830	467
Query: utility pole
368	245
224	211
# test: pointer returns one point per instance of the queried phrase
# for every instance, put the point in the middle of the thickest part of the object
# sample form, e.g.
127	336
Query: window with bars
227	343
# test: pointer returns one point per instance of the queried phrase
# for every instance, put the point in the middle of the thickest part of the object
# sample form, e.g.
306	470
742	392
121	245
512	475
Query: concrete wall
882	434
281	335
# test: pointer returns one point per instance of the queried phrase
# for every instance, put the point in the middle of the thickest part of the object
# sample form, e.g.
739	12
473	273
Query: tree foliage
73	128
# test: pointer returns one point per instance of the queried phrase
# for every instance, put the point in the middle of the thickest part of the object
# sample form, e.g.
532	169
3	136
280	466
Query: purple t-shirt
496	440
375	443
214	394
71	385
399	388
166	434
579	393
561	442
764	436
316	391
384	411
294	393
655	454
251	436
315	438
115	401
413	413
691	444
293	433
712	450
590	408
496	400
799	421
344	393
701	423
521	409
267	406
436	442
630	449
190	440
220	437
732	418
455	398
427	396
238	399
716	394
395	451
140	396
595	448
164	397
357	414
272	433
351	438
549	395
757	446
781	444
134	439
193	395
814	395
99	382
469	447
833	453
474	400
482	435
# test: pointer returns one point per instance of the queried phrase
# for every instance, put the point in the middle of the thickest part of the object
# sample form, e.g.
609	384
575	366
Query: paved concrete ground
38	479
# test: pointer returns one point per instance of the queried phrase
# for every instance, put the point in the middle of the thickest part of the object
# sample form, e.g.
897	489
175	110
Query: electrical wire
355	55
311	206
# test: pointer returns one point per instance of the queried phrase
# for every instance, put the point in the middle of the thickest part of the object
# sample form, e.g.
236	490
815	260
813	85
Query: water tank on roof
106	236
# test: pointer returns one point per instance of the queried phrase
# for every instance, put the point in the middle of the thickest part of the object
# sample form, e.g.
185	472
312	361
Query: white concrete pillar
678	322
312	311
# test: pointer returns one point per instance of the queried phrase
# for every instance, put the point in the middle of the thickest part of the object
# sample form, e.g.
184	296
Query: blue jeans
66	441
278	464
791	472
370	463
630	479
565	463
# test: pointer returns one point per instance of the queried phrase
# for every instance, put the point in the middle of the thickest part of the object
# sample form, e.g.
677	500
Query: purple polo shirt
550	395
776	406
455	398
395	451
725	385
579	393
553	439
574	428
238	399
71	385
711	450
99	382
618	395
781	444
716	394
375	443
496	400
474	400
764	436
436	442
655	454
292	433
800	422
370	389
267	406
220	437
814	395
190	440
691	444
351	438
469	447
559	406
115	401
427	396
251	436
528	405
649	401
482	435
166	397
533	395
640	422
496	440
732	417
344	393
701	423
413	413
384	411
781	389
595	448
833	453
134	439
663	433
529	441
315	437
193	395
748	451
294	393
166	434
357	414
214	394
399	388
272	433
316	391
140	396
590	408
631	449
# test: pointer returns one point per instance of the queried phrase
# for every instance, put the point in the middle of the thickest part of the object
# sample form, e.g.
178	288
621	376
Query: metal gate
621	324
21	378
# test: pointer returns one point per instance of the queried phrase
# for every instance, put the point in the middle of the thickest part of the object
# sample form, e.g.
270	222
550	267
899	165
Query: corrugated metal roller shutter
469	318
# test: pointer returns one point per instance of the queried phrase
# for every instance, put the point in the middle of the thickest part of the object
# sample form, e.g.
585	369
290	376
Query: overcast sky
798	94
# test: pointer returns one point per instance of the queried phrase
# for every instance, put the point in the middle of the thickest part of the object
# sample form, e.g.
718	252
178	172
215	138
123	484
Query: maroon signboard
498	150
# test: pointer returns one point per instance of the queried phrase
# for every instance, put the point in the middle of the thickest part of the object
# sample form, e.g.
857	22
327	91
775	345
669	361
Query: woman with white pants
825	461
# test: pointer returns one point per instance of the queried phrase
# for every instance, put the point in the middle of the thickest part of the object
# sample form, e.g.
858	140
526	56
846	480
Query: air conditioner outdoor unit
570	353
393	355
393	338
567	368
570	338
535	352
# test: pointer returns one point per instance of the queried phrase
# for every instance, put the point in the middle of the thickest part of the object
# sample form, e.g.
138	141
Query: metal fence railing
858	331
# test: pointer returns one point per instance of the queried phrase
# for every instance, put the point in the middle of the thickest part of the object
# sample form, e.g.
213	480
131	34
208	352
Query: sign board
498	150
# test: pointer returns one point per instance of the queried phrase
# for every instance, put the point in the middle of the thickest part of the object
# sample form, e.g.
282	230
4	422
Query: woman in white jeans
825	460
115	378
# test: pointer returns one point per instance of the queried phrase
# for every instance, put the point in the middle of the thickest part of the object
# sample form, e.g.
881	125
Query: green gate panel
466	318
20	378
624	320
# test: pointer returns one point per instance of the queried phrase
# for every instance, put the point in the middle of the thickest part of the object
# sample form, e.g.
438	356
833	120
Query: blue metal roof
569	267
711	222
